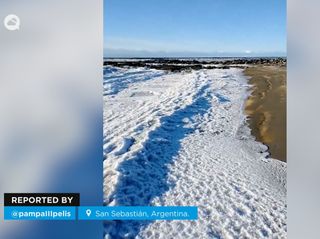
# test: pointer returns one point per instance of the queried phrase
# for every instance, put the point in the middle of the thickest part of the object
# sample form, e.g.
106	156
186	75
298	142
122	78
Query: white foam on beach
182	139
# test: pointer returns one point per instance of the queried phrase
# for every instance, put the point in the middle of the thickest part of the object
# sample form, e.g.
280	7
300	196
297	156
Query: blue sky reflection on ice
195	28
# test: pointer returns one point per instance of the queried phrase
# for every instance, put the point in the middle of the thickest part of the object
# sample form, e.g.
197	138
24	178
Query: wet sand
266	107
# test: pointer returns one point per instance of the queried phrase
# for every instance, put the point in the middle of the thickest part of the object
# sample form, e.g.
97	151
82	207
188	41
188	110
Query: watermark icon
12	22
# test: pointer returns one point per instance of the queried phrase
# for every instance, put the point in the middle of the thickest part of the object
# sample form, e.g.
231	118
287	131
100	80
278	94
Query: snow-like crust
182	139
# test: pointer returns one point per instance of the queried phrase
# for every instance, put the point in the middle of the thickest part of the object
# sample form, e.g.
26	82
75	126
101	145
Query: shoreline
266	107
187	141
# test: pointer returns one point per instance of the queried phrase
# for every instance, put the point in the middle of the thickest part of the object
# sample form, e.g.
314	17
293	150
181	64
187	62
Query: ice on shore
182	139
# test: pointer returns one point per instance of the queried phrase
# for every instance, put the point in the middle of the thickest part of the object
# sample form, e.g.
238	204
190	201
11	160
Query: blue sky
194	27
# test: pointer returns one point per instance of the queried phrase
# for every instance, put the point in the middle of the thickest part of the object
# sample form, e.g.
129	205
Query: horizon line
148	57
126	53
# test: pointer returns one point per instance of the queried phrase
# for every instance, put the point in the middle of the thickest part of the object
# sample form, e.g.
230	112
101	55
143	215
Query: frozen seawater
182	139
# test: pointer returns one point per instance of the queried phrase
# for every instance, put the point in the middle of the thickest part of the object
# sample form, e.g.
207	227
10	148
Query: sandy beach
266	107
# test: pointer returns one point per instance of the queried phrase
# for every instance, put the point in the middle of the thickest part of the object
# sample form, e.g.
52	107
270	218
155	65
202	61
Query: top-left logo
12	22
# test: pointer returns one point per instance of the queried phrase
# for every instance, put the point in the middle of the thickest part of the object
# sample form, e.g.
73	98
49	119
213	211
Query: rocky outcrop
174	65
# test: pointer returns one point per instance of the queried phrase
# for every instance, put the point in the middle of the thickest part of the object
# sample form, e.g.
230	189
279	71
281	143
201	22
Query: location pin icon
88	212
